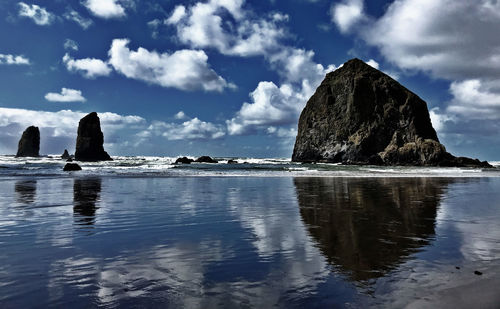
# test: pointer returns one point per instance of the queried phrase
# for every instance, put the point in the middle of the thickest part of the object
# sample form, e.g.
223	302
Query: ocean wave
245	167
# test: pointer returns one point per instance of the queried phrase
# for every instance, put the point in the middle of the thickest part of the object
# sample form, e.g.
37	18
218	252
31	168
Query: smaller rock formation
232	161
184	160
90	140
29	144
69	167
206	159
65	155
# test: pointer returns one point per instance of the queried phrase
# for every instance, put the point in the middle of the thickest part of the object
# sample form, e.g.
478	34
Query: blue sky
230	77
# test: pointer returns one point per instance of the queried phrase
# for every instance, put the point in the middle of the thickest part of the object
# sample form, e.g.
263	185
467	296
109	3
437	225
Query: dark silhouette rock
29	144
69	167
86	196
65	155
90	140
359	115
26	191
232	162
206	159
184	160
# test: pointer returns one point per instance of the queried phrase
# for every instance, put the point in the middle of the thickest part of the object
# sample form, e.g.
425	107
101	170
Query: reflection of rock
86	193
367	227
29	144
90	140
26	190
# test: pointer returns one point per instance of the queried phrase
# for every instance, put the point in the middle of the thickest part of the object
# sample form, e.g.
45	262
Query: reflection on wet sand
26	191
366	227
86	193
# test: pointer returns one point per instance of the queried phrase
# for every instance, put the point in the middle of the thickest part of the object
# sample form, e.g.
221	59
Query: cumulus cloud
229	28
105	8
183	69
39	15
373	63
451	39
83	22
13	60
273	105
270	106
66	95
180	115
347	13
70	45
203	25
192	129
88	67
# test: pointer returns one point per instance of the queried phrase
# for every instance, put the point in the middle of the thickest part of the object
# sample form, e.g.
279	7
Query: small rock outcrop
69	167
29	144
205	159
359	115
184	160
65	155
90	140
231	161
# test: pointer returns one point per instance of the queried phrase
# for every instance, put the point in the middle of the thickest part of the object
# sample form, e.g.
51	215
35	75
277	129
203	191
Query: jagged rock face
90	140
359	115
29	144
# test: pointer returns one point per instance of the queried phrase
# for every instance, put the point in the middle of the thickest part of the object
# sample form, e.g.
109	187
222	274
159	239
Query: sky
230	77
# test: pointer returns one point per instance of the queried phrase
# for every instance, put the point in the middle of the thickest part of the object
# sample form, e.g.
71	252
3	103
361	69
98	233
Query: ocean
141	232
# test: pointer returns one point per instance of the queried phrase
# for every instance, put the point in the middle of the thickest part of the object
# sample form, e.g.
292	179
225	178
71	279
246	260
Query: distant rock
359	115
206	159
232	162
65	155
90	140
69	167
184	160
29	144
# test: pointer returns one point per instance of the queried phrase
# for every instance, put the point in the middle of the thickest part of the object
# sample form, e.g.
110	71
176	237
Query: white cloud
202	26
273	106
473	99
105	8
38	14
347	13
232	30
184	69
70	44
452	39
89	67
13	60
83	22
66	95
373	63
180	115
192	129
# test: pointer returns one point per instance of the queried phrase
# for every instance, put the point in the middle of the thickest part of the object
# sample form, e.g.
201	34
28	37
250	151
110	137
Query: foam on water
52	165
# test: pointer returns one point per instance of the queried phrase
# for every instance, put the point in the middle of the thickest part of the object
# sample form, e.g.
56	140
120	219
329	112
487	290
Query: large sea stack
359	115
29	144
90	140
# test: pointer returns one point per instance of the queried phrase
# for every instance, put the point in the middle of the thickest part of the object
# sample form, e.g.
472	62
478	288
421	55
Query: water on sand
134	240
